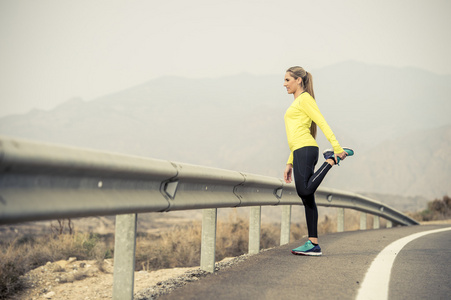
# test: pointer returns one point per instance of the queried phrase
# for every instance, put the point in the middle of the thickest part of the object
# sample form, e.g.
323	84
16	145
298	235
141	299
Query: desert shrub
437	209
172	248
12	266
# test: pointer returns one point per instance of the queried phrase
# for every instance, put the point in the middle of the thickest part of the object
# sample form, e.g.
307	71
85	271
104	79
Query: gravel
167	286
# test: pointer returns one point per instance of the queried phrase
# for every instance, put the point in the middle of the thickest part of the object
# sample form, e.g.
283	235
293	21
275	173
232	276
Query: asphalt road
421	270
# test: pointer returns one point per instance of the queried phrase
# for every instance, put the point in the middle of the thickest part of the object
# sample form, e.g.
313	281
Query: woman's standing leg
311	217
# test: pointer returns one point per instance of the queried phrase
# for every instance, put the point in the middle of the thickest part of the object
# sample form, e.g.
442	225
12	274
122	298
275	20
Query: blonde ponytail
307	85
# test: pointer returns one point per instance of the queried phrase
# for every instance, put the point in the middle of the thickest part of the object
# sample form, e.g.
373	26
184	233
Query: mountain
397	120
224	122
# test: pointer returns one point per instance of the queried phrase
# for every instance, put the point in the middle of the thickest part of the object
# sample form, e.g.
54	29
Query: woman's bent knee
303	194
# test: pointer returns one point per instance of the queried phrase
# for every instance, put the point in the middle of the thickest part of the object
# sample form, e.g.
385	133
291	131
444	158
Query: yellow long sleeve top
298	119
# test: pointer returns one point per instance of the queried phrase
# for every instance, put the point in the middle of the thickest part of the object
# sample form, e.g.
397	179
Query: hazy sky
54	50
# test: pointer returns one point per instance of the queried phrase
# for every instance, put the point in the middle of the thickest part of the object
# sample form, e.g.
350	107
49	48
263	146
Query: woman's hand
287	173
341	155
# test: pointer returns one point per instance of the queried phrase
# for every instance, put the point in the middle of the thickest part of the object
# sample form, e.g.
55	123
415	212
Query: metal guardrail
43	182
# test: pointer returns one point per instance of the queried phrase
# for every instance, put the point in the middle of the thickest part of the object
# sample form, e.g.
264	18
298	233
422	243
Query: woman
301	119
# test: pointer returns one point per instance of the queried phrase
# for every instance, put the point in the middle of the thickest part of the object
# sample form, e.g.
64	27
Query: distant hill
396	119
416	164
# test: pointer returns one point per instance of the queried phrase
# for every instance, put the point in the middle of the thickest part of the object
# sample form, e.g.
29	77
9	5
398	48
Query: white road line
377	278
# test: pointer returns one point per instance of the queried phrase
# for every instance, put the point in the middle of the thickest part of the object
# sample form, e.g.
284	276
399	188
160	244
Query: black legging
307	181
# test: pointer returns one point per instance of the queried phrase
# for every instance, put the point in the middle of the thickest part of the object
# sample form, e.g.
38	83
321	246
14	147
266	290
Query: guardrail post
285	225
254	229
363	221
208	246
389	224
376	222
124	256
340	219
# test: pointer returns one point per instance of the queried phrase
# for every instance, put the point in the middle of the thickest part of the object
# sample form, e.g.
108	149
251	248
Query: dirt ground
84	280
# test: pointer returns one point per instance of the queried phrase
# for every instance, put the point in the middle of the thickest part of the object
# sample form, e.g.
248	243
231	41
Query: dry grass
181	246
23	254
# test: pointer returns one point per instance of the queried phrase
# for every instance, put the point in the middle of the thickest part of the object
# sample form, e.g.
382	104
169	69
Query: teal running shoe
307	249
329	153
